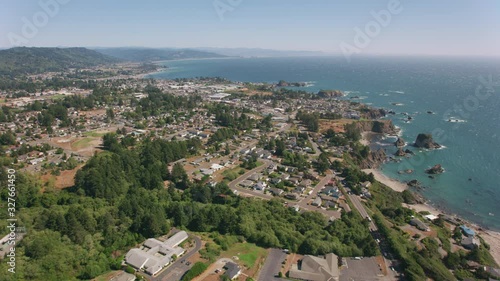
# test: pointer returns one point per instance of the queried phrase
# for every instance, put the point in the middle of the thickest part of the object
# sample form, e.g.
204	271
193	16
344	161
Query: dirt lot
336	125
64	180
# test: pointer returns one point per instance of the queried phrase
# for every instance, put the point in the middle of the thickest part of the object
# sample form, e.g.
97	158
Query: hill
25	60
151	54
257	52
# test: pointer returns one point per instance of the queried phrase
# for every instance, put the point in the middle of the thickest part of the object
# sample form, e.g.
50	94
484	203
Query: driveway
272	266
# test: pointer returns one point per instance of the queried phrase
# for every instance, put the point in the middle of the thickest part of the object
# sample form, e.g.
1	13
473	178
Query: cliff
374	159
377	126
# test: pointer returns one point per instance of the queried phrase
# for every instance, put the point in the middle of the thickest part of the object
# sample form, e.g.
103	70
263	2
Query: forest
120	198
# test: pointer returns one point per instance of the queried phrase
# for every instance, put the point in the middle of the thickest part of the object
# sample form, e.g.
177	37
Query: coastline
491	237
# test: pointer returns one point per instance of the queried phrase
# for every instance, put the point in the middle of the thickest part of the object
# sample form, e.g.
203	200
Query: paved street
234	185
272	266
361	209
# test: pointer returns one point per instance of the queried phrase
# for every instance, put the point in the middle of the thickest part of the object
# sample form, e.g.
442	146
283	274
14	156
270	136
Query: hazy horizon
428	28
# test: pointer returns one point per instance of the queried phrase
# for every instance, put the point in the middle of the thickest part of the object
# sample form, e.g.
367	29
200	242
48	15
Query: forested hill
25	60
150	54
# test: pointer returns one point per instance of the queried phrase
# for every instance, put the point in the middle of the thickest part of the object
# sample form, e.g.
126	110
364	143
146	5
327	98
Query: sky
428	27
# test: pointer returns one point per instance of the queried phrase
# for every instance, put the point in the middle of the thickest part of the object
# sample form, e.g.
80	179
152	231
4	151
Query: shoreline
491	237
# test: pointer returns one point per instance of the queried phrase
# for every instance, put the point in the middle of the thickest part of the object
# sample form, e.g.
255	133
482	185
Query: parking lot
363	269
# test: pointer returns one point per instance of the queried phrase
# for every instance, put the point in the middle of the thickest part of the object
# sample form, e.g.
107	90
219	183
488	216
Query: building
467	231
419	225
316	269
155	255
232	270
470	242
317	201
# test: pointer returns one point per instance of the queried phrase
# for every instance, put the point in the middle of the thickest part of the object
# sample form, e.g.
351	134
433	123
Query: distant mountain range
32	60
155	54
24	60
257	52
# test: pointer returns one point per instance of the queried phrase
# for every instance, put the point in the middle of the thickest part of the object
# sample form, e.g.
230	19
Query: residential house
316	268
232	270
419	224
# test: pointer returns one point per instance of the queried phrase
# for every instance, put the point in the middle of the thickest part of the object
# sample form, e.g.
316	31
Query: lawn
247	253
93	134
79	144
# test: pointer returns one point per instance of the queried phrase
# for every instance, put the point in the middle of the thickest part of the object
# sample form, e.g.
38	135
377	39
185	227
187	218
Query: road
361	209
176	270
234	185
272	266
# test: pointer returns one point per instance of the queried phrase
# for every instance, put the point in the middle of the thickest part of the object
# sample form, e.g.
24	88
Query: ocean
455	99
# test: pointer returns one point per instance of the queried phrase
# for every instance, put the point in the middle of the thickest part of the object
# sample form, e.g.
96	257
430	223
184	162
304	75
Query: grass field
79	144
93	134
248	253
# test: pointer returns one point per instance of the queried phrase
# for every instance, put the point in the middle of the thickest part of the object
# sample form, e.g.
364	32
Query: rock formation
330	94
426	141
400	142
377	126
374	159
436	169
400	152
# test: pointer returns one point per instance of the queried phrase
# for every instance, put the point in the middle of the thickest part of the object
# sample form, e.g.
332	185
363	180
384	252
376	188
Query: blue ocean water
465	90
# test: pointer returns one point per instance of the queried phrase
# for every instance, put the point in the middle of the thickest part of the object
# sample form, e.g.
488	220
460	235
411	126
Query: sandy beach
392	183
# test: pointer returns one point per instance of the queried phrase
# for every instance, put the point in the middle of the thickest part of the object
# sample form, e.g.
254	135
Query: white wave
397	103
455	120
397	92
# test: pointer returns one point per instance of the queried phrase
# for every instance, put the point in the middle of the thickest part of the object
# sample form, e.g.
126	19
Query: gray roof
317	269
156	254
232	270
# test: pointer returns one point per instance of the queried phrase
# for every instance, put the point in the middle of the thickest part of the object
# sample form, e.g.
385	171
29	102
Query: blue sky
451	27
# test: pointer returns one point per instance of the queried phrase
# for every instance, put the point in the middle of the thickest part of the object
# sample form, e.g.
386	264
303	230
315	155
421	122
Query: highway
361	209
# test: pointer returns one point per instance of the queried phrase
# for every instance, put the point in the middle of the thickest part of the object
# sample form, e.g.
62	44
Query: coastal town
210	179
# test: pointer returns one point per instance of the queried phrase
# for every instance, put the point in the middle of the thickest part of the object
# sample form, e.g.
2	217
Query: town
209	179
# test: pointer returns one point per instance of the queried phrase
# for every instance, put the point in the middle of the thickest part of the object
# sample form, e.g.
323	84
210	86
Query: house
276	191
292	196
254	177
208	172
419	224
155	255
232	270
316	202
366	184
316	268
470	242
467	231
246	183
259	186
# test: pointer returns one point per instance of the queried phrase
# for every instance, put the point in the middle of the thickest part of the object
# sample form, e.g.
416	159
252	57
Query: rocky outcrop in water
400	142
374	159
435	170
426	141
330	94
400	152
283	83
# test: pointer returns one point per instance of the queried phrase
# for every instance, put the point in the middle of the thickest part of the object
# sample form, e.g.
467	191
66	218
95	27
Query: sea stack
400	152
426	141
400	142
437	169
